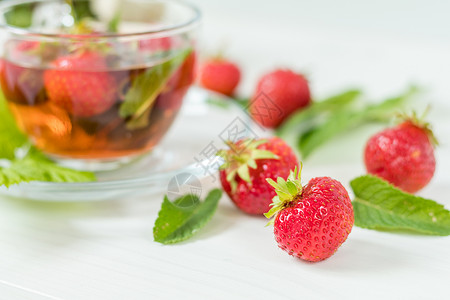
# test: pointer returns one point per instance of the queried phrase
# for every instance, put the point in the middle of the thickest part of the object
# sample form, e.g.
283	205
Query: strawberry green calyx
287	191
82	27
419	121
240	157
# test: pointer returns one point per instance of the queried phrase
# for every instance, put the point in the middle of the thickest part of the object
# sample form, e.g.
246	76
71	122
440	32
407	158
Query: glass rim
172	29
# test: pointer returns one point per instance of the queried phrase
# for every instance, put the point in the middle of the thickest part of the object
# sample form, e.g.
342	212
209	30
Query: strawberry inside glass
84	91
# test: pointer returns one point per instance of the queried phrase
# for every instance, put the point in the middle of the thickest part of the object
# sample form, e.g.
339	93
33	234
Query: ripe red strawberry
80	84
24	47
220	75
278	94
247	165
159	44
313	221
178	84
403	155
23	85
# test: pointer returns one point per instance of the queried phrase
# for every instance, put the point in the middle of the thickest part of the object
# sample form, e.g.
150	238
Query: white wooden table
106	250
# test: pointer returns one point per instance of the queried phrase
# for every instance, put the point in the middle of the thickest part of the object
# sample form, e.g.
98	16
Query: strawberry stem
420	122
287	191
240	157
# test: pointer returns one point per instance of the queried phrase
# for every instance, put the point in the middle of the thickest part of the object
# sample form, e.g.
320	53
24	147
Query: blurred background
380	45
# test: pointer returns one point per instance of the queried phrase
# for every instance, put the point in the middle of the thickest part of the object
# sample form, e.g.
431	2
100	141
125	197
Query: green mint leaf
304	116
226	103
145	89
384	111
179	220
242	102
73	12
20	15
188	201
379	205
83	10
34	166
113	24
220	103
80	11
342	121
11	137
336	124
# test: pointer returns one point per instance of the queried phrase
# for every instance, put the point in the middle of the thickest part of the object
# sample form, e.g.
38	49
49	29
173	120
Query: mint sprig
181	219
313	126
145	88
36	167
311	115
379	205
113	24
31	165
11	137
343	120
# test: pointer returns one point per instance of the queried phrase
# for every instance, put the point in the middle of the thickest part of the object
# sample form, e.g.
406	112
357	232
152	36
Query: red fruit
27	46
31	53
178	84
403	155
313	221
184	76
19	84
247	165
80	84
159	44
220	76
278	94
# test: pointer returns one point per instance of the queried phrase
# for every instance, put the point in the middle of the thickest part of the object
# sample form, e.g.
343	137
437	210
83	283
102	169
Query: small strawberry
247	165
178	84
159	44
24	47
313	221
32	52
278	94
403	155
80	84
220	75
184	76
20	84
23	85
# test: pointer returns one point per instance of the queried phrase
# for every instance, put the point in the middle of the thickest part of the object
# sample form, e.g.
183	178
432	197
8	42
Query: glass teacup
98	91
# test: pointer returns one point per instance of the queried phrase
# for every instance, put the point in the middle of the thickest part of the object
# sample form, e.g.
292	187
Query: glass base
152	172
101	165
